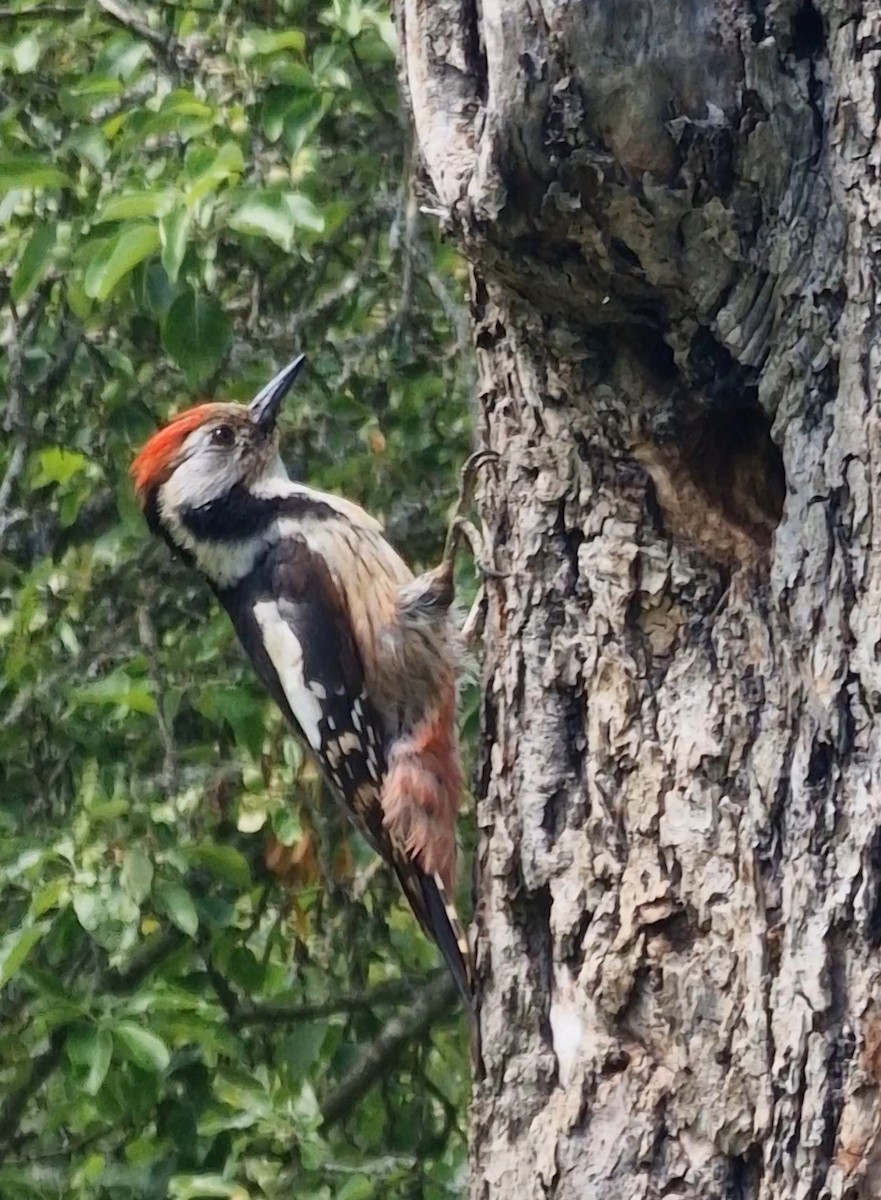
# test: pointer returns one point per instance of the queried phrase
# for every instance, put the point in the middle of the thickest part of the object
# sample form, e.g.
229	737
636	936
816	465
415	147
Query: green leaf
265	214
34	260
116	688
244	713
245	969
301	1049
89	89
121	57
225	164
174	230
141	1047
304	212
29	171
224	861
176	902
79	1045
137	874
15	948
132	206
90	146
204	1187
196	334
87	907
184	103
154	291
26	54
276	215
357	1187
265	41
287	824
57	465
51	895
80	305
103	1052
92	1048
106	270
181	113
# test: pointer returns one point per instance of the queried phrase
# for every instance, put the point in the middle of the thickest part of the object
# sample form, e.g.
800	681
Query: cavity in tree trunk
671	212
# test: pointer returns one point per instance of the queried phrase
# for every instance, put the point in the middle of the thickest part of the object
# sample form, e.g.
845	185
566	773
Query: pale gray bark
671	208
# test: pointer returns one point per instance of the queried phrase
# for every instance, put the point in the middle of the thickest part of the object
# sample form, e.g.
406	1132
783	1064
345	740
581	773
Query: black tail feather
437	915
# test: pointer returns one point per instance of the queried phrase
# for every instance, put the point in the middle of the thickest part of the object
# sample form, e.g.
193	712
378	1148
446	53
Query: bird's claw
460	526
471	468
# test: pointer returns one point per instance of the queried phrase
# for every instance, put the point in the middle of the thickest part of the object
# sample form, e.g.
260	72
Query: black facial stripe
151	510
154	522
239	514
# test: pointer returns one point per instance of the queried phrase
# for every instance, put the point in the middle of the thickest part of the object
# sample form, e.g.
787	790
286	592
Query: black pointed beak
265	406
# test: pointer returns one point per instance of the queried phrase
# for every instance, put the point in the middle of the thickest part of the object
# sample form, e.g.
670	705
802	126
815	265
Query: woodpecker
360	656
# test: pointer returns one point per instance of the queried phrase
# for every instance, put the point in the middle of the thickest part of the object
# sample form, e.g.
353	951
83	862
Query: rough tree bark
672	211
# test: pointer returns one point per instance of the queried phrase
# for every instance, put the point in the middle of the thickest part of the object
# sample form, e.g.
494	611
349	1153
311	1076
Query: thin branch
166	47
68	1151
130	99
47	538
41	13
128	16
13	1107
147	633
14	417
409	219
370	90
437	999
290	1014
15	1103
154	952
20	702
229	1001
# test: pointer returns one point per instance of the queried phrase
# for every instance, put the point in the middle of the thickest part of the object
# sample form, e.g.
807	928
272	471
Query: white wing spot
318	688
286	655
349	743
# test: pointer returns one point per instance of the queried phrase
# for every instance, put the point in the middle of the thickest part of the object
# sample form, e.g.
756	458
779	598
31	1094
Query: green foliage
188	196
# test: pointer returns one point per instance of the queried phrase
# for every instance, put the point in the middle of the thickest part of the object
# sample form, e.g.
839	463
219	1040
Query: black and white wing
293	624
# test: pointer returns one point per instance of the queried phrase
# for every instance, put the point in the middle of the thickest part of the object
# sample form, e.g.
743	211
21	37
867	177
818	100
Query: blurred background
190	194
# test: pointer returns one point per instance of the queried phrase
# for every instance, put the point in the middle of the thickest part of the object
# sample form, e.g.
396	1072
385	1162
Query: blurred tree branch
394	992
438	997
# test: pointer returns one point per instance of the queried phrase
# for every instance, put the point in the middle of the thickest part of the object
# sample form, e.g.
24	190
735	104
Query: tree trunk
671	212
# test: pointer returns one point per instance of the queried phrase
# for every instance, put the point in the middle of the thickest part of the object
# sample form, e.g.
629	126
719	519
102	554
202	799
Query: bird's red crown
156	460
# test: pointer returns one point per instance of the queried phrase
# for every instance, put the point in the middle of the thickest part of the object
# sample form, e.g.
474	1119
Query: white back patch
286	653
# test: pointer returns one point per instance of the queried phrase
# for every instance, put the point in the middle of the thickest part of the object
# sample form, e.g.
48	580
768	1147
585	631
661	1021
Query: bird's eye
223	436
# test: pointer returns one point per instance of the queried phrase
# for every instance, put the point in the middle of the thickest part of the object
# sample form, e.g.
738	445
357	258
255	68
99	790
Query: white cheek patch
225	563
202	475
286	655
